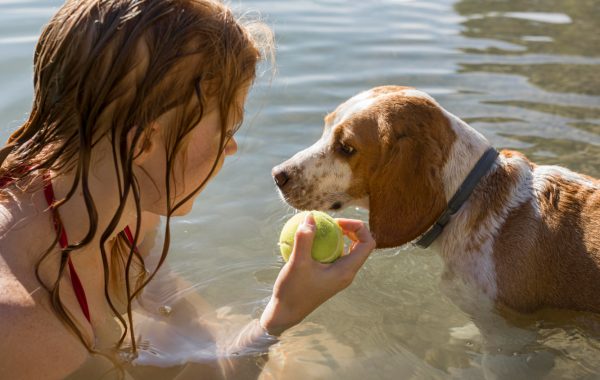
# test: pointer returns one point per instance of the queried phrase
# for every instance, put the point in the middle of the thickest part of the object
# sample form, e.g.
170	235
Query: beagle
526	236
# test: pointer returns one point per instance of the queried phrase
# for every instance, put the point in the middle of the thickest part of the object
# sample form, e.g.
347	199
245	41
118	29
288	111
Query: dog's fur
529	235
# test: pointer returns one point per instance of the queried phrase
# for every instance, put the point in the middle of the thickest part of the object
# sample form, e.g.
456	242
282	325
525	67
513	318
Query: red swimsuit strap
129	236
64	243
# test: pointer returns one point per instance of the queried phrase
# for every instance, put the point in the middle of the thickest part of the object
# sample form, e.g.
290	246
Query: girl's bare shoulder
33	342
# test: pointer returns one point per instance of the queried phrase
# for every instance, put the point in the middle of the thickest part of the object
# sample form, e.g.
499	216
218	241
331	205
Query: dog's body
528	237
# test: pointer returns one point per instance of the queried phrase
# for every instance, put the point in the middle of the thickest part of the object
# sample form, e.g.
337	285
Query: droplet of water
165	310
128	355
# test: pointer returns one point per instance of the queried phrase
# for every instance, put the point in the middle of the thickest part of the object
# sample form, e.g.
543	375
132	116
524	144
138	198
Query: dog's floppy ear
406	190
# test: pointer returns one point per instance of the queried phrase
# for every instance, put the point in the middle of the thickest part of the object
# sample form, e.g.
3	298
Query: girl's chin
182	211
185	208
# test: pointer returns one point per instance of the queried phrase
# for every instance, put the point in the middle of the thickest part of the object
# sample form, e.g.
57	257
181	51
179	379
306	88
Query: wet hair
109	69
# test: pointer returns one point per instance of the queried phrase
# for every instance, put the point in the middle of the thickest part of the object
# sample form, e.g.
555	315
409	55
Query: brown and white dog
528	237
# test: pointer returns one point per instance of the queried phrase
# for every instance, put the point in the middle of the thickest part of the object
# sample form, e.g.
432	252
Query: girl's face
192	166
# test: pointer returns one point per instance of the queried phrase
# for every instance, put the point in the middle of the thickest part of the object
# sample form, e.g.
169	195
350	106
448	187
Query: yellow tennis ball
328	244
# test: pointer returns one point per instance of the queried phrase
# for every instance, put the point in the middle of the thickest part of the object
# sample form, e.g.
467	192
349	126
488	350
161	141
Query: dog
512	234
528	236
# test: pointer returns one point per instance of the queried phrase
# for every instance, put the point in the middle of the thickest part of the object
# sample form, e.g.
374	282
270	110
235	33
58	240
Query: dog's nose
280	176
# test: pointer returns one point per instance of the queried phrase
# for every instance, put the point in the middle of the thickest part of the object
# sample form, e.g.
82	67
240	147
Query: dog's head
385	149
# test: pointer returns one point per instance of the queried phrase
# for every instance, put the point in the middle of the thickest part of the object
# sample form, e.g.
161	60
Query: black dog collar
460	197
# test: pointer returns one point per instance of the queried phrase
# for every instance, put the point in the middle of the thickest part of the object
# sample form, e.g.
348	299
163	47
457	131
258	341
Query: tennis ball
328	244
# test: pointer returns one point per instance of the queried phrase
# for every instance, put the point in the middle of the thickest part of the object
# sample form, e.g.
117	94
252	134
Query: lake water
526	73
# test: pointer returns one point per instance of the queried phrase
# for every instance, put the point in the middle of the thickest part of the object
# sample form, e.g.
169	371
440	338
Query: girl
136	103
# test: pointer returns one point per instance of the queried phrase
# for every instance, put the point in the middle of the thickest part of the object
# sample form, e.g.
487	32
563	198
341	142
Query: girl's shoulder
33	342
12	291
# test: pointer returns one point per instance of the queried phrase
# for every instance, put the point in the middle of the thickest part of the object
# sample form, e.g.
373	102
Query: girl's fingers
356	230
362	245
303	239
357	256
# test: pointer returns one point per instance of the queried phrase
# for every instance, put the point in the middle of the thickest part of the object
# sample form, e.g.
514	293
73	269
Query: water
523	72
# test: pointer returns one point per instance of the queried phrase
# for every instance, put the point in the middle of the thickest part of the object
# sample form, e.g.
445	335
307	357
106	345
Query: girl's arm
301	286
303	283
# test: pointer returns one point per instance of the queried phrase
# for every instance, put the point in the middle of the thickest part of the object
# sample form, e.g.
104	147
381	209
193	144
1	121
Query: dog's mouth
303	200
304	193
336	206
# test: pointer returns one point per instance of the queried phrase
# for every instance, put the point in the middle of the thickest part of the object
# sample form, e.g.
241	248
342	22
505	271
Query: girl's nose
231	147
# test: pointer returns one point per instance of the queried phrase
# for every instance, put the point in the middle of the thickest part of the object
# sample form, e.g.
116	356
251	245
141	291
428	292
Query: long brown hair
108	69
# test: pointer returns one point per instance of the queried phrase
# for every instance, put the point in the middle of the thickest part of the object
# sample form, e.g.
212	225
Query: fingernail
309	221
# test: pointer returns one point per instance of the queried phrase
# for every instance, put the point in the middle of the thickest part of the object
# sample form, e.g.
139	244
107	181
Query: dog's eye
346	150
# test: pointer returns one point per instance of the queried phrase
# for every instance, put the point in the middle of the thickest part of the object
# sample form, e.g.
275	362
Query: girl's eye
346	149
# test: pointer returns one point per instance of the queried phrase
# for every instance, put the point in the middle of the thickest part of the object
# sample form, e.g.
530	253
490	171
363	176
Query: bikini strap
64	243
129	236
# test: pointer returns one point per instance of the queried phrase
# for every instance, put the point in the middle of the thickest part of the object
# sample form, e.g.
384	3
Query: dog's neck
468	147
459	233
467	243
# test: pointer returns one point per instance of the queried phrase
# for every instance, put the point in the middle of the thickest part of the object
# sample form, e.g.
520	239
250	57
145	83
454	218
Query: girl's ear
146	143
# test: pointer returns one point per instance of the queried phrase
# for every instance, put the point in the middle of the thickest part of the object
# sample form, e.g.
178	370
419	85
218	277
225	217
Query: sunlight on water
18	40
523	72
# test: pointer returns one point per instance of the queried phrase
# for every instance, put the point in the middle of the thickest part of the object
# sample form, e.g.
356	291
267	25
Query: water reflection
557	27
557	39
578	156
524	72
555	45
555	109
555	77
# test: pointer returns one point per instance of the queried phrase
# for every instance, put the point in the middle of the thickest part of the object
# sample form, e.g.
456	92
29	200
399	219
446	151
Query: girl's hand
303	283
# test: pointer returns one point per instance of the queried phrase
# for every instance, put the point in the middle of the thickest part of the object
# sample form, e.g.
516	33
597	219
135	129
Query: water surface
523	72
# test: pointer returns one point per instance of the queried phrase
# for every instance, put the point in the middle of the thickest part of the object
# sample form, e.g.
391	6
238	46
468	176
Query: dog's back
529	237
547	253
